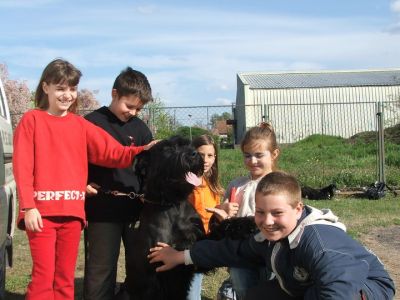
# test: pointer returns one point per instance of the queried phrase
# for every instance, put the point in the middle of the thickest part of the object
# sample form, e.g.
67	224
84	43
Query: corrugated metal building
302	103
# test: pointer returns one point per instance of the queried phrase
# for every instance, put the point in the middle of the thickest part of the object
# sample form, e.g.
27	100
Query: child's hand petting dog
167	255
151	144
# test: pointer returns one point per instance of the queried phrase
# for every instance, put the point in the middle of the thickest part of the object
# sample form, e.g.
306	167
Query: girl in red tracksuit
52	148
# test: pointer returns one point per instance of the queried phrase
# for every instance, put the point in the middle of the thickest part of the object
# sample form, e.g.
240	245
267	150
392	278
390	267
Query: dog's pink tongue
193	179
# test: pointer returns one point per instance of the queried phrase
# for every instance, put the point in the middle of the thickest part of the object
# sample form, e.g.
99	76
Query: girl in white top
260	155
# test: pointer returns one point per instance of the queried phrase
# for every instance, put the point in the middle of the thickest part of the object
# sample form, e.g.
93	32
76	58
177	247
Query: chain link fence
297	122
350	121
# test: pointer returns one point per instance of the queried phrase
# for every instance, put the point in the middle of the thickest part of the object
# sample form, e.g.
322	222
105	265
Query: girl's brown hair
212	176
57	71
265	132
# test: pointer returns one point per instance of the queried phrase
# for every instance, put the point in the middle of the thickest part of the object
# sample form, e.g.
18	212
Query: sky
192	51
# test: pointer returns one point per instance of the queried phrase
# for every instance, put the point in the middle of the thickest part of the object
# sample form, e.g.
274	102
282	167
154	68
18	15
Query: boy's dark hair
132	82
280	182
56	72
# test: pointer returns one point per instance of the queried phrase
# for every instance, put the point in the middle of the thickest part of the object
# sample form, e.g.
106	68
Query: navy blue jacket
318	260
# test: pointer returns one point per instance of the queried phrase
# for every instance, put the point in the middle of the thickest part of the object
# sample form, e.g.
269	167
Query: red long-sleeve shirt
50	162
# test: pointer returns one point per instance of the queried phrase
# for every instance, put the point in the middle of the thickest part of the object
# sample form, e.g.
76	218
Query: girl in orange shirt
205	196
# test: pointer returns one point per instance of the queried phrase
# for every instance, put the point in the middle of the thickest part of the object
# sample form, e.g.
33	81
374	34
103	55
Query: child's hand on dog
151	144
167	255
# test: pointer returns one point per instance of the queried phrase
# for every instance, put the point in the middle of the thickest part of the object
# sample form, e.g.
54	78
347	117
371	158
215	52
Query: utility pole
190	126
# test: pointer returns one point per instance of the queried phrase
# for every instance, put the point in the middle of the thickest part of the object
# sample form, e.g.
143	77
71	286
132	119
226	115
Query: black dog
325	193
235	228
167	216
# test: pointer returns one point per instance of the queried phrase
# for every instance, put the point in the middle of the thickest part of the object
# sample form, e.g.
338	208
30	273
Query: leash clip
131	195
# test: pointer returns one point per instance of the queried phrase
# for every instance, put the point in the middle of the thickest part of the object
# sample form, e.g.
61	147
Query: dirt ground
385	243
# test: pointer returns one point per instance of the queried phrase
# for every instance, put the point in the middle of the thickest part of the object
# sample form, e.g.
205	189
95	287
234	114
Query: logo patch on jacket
300	274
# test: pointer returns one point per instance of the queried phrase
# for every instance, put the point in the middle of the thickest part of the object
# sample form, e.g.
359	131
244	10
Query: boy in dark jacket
110	215
308	250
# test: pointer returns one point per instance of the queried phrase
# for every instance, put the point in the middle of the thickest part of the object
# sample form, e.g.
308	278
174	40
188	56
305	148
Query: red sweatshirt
50	162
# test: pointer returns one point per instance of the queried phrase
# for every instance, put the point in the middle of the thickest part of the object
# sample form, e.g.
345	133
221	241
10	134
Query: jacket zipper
275	251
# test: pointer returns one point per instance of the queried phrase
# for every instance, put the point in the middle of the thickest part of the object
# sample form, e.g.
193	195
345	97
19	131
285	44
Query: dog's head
330	190
166	169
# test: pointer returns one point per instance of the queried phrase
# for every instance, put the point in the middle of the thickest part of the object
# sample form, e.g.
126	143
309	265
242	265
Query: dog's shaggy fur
235	228
326	193
167	216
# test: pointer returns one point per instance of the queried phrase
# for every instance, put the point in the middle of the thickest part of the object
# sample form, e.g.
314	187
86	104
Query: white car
8	195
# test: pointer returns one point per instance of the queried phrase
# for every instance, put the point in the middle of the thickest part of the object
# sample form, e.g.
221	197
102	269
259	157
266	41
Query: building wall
341	111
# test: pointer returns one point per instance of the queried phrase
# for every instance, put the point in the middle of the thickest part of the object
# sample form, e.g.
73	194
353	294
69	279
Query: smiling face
125	107
275	217
258	159
61	96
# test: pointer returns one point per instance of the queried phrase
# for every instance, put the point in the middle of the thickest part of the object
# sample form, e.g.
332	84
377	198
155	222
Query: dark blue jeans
243	279
102	247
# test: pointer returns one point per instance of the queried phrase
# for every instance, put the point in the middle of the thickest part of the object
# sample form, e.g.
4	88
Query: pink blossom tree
20	98
87	101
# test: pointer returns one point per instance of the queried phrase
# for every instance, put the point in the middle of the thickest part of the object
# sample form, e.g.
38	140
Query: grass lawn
316	161
359	215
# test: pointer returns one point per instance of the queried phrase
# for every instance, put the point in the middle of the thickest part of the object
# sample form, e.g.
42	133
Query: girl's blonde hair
264	132
56	72
212	176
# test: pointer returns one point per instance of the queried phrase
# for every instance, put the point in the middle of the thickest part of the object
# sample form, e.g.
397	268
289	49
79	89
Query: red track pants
54	252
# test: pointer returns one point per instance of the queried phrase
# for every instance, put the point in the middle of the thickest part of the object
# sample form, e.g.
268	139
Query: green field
316	161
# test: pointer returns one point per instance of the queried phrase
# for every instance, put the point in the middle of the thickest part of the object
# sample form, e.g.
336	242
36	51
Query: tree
160	122
20	98
187	131
215	117
87	101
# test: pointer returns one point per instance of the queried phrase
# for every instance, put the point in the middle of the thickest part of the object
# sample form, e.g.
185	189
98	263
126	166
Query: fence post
322	109
208	121
381	142
262	113
266	113
234	126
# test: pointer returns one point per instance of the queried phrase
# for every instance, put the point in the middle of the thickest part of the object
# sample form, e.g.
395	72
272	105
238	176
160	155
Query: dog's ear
140	167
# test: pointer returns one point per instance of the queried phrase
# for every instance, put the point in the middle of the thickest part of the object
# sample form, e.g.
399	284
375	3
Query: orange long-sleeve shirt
201	198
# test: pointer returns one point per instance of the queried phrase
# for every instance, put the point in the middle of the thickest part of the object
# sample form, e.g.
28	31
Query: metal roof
321	79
